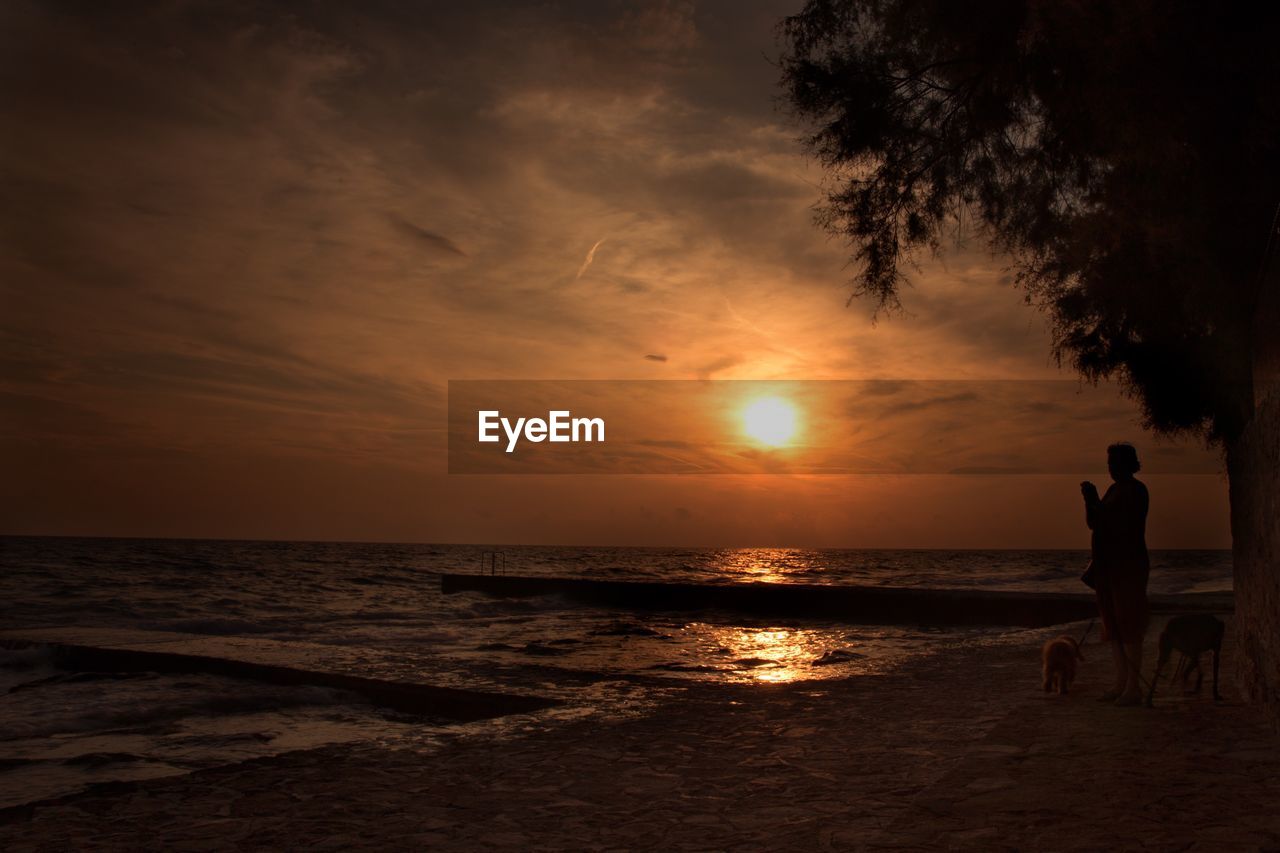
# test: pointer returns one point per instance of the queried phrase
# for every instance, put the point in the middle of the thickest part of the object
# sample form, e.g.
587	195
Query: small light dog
1059	656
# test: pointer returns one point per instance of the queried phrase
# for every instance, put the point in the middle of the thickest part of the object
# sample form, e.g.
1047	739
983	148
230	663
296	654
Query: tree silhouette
1124	155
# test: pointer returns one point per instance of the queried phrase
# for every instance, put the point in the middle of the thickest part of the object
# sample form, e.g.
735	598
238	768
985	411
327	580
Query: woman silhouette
1120	567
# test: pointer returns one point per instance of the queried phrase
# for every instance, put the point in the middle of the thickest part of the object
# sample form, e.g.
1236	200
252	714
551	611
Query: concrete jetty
869	605
274	662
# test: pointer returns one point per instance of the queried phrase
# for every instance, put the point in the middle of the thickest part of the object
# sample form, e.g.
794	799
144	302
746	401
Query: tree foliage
1124	155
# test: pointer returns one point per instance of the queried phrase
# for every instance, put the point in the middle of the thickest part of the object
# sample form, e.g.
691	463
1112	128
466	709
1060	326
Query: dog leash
1145	684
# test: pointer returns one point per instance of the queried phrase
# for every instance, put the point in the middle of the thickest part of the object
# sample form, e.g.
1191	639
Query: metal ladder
493	561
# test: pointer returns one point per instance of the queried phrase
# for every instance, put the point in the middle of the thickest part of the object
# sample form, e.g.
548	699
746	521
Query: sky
247	245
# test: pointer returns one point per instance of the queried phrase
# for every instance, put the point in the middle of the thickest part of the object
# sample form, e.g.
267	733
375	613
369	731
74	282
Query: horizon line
500	545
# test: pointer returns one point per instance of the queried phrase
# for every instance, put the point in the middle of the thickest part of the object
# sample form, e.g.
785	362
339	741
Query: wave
28	657
216	627
150	703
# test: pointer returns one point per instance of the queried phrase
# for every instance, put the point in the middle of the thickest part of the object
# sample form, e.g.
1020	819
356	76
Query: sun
770	420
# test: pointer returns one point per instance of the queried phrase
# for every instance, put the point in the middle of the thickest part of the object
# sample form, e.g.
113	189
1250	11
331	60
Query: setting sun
770	420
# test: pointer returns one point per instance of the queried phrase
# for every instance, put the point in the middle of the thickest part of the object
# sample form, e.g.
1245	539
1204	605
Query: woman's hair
1124	457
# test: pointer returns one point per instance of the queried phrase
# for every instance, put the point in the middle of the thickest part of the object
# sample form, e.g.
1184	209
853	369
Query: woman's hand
1089	490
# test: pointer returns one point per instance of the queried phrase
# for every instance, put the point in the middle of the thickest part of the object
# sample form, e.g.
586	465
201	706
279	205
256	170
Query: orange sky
245	251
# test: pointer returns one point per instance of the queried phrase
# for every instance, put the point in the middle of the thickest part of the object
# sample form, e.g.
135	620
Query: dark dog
1182	673
1192	635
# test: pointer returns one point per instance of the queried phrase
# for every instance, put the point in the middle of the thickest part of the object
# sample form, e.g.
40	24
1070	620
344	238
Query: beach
956	750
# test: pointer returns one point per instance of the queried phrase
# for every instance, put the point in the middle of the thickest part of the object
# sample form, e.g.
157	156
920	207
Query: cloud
245	228
718	365
430	239
591	256
942	401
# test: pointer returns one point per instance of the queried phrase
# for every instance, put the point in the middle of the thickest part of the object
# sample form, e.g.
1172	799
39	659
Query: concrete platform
271	661
869	605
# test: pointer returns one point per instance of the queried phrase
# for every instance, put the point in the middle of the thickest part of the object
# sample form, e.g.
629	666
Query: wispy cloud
591	256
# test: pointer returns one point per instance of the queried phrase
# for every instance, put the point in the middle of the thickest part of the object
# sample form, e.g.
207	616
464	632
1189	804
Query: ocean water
377	610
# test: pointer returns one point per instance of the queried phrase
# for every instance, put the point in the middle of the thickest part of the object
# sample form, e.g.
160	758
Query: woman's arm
1092	504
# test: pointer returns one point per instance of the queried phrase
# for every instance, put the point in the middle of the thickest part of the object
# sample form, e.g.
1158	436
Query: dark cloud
427	238
193	306
944	401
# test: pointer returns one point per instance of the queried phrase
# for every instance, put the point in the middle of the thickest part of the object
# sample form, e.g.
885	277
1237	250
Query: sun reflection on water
781	653
715	645
768	655
767	565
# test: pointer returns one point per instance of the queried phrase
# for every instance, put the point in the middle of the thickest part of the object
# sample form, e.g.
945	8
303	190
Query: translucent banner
800	427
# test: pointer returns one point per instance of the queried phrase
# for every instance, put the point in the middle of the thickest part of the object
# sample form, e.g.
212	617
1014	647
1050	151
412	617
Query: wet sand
956	751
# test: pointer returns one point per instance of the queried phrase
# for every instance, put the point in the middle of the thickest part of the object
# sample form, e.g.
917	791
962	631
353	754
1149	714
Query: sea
377	610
